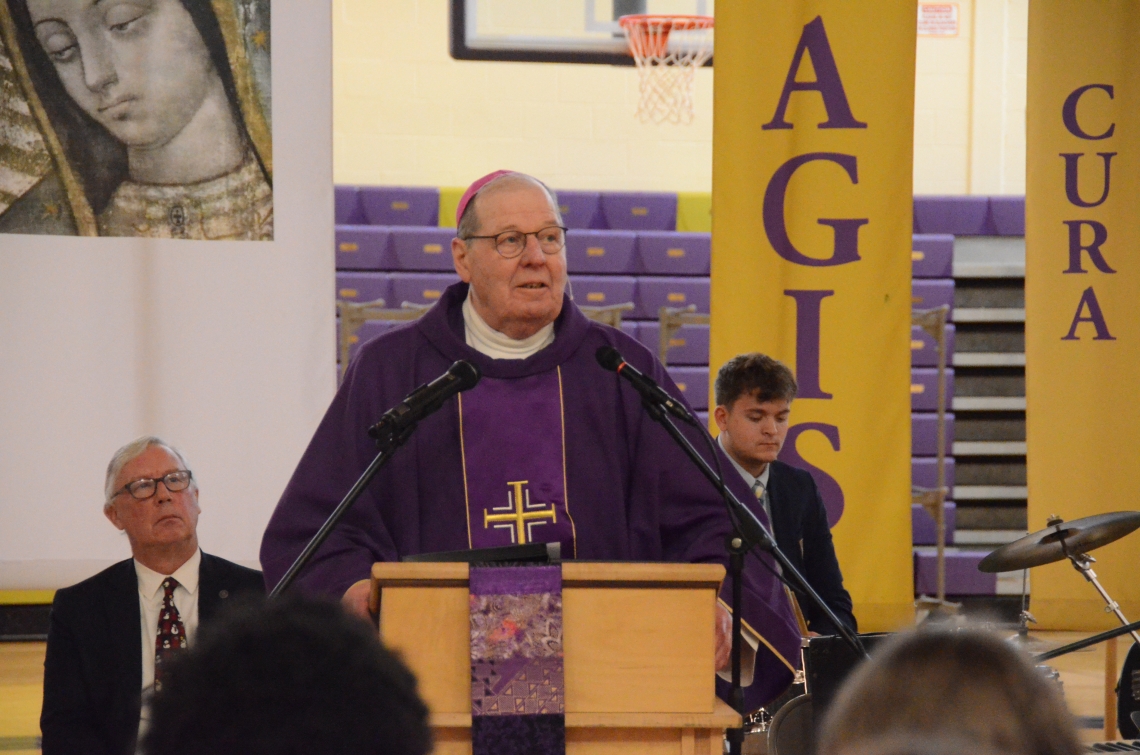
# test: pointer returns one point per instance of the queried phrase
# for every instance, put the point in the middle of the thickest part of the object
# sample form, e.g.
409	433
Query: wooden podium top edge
722	717
574	574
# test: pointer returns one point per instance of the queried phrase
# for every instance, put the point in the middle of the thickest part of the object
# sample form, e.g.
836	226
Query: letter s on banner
829	488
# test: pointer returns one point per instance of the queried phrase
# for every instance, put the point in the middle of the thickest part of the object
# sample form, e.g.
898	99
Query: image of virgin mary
136	118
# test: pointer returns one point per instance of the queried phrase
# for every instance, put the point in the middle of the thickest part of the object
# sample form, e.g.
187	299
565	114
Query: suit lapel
124	621
209	587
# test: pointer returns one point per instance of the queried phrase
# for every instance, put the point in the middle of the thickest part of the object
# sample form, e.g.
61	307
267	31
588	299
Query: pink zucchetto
473	189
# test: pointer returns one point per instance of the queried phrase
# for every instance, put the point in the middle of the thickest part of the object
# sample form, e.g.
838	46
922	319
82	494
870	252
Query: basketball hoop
666	70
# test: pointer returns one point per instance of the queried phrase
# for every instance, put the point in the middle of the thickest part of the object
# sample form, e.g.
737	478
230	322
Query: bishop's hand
723	624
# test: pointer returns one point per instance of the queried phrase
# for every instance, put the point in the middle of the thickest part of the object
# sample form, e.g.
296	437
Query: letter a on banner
1082	312
812	154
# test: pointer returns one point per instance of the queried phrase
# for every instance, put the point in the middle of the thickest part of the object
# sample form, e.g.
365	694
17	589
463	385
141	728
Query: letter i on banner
1082	280
812	170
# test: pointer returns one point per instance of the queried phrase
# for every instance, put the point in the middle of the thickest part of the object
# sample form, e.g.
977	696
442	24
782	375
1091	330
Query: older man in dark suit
754	396
111	634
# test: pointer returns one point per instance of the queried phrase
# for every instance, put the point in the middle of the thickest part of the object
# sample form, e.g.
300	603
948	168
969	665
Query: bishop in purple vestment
548	446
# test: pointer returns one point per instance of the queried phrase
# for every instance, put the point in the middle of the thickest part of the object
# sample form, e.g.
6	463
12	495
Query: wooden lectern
638	644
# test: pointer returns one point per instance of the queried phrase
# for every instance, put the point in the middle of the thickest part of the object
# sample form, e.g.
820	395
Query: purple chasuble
518	688
514	476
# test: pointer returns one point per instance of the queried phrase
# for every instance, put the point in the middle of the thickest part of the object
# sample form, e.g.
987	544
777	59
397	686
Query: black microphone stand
748	533
388	445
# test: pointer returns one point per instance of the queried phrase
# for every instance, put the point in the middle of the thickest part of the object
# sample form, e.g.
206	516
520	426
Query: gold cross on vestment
519	516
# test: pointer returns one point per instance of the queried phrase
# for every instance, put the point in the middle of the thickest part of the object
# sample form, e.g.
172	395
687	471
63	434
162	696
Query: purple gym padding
689	345
694	385
422	249
1008	214
603	290
674	252
924	389
362	247
928	293
962	575
400	205
923	529
924	472
366	333
654	293
601	252
347	206
419	288
932	255
580	209
639	210
361	287
923	349
956	215
924	433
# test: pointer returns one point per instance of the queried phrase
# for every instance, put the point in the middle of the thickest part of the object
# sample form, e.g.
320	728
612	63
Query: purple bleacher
924	389
419	288
400	205
580	209
654	293
639	210
962	575
347	206
674	252
1008	215
703	418
689	345
956	215
603	290
361	287
694	385
366	333
924	433
924	530
923	349
928	293
606	252
631	329
422	249
932	255
924	472
362	247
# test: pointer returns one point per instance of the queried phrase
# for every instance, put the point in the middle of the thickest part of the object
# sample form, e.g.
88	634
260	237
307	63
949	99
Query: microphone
426	399
609	358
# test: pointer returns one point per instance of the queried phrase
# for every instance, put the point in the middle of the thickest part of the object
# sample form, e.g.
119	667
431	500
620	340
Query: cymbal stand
1083	562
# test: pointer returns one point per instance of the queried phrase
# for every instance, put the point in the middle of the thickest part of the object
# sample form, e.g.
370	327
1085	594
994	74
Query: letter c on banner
846	247
1069	112
829	489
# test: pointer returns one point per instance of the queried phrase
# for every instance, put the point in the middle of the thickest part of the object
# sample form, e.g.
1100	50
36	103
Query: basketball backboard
554	31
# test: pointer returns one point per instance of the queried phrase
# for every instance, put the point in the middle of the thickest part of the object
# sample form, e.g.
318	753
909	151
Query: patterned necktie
171	634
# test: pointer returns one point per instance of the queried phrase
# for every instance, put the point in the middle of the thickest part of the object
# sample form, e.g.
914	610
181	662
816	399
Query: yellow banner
812	153
1082	292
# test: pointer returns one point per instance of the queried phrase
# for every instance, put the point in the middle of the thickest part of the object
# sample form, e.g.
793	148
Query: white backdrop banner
166	268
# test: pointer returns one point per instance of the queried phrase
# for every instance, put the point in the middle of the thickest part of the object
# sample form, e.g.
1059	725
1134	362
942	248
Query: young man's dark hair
286	677
754	374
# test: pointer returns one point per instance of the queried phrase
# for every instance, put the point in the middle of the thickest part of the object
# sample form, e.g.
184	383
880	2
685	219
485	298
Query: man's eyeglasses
510	244
145	488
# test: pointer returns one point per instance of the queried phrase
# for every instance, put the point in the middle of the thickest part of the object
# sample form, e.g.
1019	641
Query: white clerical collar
486	340
150	581
748	477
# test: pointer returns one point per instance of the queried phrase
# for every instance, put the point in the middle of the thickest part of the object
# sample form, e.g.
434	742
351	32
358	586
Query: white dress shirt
486	340
758	485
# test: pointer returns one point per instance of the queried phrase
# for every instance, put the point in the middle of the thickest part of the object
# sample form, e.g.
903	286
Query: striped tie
171	634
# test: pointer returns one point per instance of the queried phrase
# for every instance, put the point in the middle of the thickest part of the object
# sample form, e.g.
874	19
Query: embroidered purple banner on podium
517	684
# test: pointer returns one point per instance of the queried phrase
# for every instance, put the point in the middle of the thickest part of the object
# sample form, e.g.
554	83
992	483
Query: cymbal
1044	547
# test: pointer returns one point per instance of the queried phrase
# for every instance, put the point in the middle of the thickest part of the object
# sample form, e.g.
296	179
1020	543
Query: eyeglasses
145	488
510	244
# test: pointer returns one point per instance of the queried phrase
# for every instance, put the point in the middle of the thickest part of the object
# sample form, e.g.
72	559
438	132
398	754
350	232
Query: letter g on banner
846	248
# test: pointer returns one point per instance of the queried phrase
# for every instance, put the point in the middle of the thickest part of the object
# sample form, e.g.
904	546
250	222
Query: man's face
516	296
163	519
755	430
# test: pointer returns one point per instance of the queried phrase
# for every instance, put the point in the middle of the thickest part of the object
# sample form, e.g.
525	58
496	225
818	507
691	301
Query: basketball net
666	73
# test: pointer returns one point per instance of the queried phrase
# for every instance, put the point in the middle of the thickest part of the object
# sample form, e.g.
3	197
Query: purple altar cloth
633	493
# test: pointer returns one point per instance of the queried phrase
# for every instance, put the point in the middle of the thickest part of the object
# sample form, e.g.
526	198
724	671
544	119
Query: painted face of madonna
138	67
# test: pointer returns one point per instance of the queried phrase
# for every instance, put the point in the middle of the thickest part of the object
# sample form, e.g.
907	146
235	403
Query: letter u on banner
812	154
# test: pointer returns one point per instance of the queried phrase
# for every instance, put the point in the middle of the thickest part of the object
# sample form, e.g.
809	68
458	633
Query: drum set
787	726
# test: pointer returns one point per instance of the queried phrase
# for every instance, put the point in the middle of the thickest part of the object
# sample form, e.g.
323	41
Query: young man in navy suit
754	396
110	635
